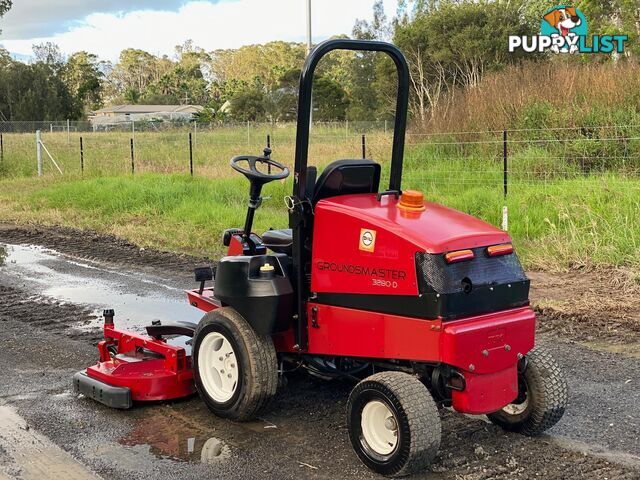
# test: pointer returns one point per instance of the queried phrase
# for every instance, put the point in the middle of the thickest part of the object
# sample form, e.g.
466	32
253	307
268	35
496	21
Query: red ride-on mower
430	300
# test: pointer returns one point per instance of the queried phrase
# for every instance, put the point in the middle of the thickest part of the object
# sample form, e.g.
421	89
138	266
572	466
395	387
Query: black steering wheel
255	175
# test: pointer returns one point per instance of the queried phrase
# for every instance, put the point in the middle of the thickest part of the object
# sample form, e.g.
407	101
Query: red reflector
459	256
497	250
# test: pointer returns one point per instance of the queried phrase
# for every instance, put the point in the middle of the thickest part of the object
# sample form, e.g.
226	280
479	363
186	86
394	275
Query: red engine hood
438	229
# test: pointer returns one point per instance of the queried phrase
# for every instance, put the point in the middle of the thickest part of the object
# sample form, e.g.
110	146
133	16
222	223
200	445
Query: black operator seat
342	177
345	177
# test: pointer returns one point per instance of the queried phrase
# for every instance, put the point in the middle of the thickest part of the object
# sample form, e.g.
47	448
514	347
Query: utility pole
309	47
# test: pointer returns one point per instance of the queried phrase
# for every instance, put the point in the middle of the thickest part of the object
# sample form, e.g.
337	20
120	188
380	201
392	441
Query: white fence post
39	152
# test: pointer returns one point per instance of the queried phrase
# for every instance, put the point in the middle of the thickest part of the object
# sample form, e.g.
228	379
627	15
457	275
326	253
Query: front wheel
393	423
235	369
542	397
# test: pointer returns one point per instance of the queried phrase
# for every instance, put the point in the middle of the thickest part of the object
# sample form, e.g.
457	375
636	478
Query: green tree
330	100
83	76
5	6
248	105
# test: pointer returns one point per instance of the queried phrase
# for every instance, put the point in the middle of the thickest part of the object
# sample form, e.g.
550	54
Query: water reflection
168	438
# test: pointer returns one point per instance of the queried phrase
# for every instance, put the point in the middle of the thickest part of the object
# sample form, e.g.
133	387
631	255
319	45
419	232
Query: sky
157	26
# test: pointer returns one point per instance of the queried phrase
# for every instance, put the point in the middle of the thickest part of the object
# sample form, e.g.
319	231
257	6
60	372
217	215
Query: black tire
542	397
256	362
415	416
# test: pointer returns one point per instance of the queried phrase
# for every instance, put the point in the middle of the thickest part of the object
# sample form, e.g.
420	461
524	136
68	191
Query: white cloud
210	25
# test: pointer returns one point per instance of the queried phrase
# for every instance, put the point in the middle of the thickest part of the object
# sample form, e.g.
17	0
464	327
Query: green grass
590	221
563	210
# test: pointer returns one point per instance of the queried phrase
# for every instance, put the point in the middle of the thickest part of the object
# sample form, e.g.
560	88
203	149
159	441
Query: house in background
118	114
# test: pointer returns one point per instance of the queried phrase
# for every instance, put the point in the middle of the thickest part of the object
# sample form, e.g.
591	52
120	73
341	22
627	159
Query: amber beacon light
411	201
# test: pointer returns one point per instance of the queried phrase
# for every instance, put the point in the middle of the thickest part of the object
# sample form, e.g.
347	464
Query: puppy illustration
564	20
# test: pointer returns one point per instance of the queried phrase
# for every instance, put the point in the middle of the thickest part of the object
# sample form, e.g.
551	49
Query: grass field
566	206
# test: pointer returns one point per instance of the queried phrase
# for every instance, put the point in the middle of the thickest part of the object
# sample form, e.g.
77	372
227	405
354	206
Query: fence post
39	152
68	132
505	157
1	148
133	163
248	134
81	157
346	129
190	154
364	146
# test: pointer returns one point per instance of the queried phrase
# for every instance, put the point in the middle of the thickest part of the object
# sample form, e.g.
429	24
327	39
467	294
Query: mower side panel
358	333
340	263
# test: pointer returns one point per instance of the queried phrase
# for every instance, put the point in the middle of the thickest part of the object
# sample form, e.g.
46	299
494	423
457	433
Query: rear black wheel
235	369
542	397
393	423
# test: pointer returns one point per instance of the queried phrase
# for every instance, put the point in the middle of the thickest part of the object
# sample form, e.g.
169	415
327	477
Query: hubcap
516	408
379	427
218	367
519	406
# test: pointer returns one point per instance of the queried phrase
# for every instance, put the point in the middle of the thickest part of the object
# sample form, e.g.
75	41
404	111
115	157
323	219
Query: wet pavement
303	435
137	298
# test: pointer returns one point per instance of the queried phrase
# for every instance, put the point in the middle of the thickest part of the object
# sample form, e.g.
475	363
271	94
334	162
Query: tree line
449	44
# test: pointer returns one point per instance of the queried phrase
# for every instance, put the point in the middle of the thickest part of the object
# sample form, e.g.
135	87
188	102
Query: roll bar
301	213
304	106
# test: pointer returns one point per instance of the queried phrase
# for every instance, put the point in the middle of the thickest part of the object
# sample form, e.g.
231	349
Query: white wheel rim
218	367
516	408
379	427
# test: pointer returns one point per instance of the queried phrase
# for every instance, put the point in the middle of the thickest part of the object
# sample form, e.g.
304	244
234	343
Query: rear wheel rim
379	428
218	367
521	404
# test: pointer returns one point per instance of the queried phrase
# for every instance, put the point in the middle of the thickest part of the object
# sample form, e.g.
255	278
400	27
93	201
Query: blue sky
105	27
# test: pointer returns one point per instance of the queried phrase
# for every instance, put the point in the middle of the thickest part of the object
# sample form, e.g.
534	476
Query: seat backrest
344	177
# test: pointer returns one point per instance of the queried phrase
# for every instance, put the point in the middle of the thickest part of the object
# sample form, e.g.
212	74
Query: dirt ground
589	320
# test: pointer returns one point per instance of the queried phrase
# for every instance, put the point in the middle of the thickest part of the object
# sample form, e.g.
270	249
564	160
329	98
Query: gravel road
49	301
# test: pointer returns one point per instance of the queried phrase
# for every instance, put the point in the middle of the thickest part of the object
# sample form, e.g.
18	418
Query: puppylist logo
563	29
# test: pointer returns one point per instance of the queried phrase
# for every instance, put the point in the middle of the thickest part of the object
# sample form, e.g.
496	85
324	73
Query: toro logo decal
563	29
367	240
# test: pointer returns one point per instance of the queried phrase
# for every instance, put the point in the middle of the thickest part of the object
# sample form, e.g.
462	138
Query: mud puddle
191	433
137	298
178	442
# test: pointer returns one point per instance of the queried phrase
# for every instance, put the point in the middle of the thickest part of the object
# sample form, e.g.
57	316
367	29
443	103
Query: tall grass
549	94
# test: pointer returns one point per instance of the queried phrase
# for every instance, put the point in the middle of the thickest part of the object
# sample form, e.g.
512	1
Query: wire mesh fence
496	163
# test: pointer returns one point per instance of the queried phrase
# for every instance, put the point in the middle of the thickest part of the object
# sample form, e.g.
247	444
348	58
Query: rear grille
436	276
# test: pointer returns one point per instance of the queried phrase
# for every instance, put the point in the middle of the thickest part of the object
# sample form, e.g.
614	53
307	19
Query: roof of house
151	109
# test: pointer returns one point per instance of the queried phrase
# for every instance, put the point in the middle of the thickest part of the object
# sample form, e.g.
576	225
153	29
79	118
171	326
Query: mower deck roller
430	302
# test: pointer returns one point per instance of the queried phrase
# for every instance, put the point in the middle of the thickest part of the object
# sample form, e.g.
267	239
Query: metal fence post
1	148
133	163
364	146
248	134
504	162
68	132
81	157
39	152
505	157
190	154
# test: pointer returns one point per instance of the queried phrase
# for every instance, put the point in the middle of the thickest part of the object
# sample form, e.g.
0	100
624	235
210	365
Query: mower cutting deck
139	368
430	302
